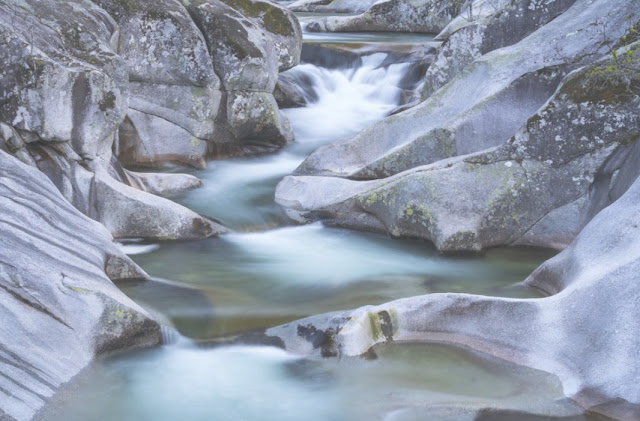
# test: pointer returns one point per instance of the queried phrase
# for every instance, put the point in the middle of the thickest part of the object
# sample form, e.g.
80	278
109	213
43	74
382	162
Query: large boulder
429	16
540	188
586	333
174	91
250	41
484	105
59	307
505	26
65	94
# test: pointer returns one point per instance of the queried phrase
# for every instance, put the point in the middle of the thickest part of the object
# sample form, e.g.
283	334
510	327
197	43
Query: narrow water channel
270	272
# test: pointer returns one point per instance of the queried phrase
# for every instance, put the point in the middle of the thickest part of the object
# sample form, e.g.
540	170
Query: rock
162	184
530	191
249	41
393	16
59	309
290	92
585	333
174	91
149	140
505	26
60	79
128	212
65	94
483	106
332	6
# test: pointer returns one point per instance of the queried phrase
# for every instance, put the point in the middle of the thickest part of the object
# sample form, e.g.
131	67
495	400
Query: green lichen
79	290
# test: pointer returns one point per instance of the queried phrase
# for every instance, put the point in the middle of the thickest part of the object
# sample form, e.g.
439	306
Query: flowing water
270	272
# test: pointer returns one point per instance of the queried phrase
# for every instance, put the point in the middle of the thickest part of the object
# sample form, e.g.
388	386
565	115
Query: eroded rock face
58	307
540	188
585	333
185	59
483	106
393	16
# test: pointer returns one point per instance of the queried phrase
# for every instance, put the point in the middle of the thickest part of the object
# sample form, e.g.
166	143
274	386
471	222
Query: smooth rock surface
530	191
58	307
505	26
585	333
486	104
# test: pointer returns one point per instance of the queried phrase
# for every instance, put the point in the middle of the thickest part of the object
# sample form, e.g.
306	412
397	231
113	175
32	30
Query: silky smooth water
185	382
260	279
239	192
269	272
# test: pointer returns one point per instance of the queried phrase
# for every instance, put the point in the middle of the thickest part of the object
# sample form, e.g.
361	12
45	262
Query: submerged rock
59	308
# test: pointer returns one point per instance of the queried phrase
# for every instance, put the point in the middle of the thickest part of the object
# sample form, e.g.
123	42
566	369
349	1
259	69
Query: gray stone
484	105
59	309
332	6
529	191
393	16
586	333
506	25
174	92
128	212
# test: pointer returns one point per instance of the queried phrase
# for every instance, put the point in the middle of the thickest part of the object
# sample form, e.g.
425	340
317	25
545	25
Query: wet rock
59	309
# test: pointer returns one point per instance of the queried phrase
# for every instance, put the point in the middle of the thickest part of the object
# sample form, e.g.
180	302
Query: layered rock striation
58	305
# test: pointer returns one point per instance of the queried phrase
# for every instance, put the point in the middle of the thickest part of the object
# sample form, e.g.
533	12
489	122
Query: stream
270	272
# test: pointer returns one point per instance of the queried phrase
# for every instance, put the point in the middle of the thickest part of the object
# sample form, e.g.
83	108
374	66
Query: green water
269	272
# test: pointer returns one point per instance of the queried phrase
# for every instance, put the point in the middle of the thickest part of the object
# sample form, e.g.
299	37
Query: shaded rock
530	191
290	92
483	106
149	140
393	16
585	333
59	309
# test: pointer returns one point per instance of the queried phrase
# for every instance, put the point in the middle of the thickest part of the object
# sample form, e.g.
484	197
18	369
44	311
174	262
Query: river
270	271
